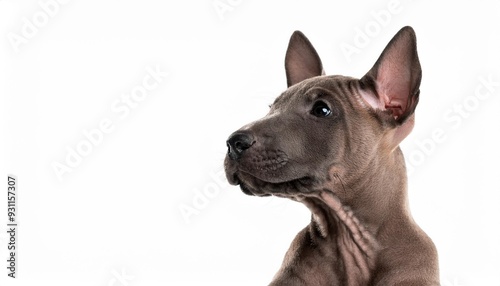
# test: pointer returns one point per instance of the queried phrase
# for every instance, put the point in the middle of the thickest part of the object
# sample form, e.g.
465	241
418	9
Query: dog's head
324	128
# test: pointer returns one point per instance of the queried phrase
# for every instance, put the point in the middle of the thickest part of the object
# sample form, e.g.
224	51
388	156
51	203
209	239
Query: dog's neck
353	231
380	191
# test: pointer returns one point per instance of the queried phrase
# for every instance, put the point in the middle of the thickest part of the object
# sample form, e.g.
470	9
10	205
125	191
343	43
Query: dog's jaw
251	185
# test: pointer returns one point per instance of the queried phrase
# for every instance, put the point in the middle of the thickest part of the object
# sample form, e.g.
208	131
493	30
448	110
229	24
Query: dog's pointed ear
301	60
393	82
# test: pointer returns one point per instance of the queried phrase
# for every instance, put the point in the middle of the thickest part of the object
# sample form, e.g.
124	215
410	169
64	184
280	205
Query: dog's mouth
254	186
264	172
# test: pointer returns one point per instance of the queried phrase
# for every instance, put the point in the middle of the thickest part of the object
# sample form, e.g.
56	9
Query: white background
116	218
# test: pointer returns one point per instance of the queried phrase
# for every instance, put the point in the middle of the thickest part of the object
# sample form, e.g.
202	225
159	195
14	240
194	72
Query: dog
332	143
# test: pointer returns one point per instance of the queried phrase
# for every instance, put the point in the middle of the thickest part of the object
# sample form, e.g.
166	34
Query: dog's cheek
325	146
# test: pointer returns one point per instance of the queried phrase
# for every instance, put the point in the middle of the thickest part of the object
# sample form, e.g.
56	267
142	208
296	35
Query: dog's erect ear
301	60
393	82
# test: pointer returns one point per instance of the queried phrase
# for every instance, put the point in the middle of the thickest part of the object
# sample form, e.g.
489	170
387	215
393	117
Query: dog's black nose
237	144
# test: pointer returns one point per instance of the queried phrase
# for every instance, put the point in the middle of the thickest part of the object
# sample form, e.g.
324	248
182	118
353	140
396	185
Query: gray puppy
332	143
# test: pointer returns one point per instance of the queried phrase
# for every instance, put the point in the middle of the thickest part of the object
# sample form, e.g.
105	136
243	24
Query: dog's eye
320	109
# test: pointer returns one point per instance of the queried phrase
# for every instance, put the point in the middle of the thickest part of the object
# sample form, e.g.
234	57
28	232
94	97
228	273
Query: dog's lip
247	191
264	180
304	180
233	179
260	188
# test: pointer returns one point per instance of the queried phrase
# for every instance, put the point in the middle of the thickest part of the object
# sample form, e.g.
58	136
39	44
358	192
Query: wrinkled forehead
337	87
